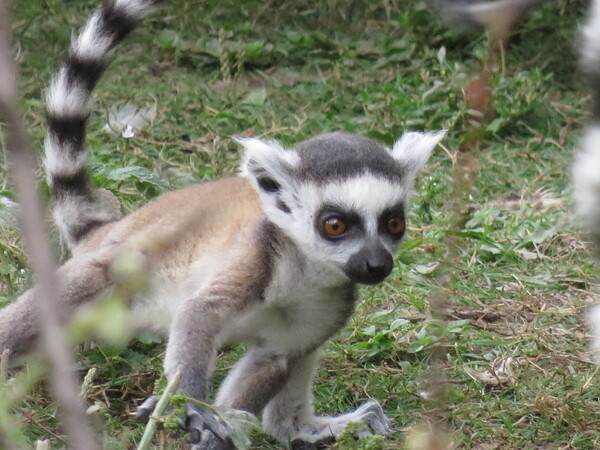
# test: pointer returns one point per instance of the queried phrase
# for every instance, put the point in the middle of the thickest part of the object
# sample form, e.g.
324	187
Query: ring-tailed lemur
586	169
271	257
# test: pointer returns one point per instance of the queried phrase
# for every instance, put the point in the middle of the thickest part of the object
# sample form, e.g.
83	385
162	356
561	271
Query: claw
210	441
207	431
144	411
373	416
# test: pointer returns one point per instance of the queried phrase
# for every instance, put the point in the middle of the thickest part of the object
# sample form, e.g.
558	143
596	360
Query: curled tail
586	169
78	209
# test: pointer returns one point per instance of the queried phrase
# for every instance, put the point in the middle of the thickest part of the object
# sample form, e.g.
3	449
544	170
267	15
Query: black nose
377	268
370	265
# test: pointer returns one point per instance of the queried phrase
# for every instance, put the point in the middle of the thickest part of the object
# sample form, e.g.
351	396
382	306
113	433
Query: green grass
519	281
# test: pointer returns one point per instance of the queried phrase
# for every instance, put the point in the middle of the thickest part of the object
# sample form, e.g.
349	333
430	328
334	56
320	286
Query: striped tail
586	169
77	206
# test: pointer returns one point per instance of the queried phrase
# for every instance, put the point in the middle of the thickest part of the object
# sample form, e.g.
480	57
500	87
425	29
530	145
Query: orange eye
334	227
396	225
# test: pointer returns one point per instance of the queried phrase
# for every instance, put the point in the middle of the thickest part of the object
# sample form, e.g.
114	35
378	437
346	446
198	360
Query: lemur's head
342	198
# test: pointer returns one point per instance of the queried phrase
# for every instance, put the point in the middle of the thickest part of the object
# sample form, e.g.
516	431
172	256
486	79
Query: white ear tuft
413	149
269	167
264	156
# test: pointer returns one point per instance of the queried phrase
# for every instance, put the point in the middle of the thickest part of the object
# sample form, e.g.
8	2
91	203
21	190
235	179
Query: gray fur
321	164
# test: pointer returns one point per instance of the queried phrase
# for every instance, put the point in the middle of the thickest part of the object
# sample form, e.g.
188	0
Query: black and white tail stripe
77	210
586	169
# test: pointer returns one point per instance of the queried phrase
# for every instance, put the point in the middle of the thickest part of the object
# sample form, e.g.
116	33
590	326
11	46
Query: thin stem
62	379
158	411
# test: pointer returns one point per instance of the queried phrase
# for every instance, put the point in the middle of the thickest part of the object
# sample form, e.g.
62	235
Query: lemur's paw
207	431
373	416
210	441
144	411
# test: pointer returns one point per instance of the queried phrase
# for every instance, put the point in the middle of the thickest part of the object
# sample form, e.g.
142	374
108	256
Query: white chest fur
302	307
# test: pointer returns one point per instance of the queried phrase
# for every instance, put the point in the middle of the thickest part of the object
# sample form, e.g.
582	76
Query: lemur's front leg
290	415
254	380
192	350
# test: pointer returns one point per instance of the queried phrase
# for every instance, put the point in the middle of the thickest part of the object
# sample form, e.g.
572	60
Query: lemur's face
341	198
357	225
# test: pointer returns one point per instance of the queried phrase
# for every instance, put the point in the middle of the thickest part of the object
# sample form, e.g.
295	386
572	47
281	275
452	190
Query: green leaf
369	331
6	268
415	348
239	424
168	39
495	125
541	234
8	213
457	326
252	51
256	97
490	248
141	173
149	338
398	323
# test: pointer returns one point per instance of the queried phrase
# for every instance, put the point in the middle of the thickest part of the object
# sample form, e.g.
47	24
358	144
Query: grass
513	343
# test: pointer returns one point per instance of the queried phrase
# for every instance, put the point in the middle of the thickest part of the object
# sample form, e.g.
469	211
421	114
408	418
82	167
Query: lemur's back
231	204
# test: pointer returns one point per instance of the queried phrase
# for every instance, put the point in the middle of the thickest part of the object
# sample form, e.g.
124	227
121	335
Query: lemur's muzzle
370	265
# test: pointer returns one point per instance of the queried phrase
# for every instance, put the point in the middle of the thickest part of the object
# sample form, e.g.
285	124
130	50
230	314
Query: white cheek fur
367	195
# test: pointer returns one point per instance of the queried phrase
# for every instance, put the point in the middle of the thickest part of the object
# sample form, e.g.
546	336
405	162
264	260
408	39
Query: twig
63	383
29	416
589	380
158	410
87	382
4	364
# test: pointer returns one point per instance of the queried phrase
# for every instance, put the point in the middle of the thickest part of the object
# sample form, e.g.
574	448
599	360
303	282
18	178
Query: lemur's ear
270	168
413	149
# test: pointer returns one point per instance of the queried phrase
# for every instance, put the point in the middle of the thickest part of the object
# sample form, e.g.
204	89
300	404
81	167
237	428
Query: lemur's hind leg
254	380
81	279
290	415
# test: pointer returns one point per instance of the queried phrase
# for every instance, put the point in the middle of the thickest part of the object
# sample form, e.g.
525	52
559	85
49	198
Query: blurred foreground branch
162	403
430	435
63	382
